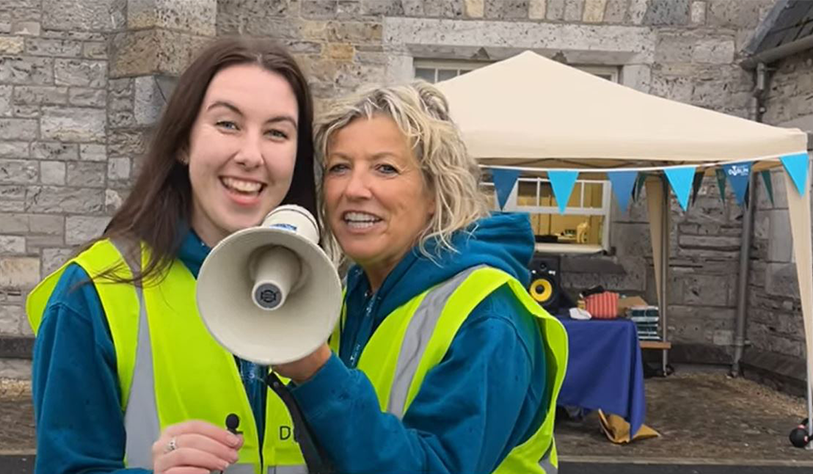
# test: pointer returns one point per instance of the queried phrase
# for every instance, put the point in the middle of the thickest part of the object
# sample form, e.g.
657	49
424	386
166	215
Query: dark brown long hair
160	202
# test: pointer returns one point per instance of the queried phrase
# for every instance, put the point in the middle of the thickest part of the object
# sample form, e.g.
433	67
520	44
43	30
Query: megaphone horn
270	294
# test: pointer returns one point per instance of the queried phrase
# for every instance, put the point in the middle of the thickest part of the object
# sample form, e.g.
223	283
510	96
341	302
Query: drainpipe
760	80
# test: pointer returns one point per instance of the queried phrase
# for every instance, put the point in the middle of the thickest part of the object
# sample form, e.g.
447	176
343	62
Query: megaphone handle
315	458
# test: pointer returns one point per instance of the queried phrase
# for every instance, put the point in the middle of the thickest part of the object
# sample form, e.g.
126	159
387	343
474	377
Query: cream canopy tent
534	113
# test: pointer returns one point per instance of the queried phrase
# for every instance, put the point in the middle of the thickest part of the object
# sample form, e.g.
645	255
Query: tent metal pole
665	228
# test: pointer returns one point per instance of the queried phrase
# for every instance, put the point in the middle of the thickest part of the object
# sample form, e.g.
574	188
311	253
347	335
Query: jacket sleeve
80	425
481	401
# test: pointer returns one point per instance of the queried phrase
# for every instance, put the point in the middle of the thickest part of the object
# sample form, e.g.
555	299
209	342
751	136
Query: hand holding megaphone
269	294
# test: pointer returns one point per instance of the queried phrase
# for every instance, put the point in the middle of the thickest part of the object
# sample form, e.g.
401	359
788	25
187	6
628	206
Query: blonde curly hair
422	114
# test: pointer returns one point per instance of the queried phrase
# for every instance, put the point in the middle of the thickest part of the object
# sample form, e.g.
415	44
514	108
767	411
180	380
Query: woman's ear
183	156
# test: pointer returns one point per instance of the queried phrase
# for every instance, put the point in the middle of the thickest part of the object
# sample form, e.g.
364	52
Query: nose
249	154
357	185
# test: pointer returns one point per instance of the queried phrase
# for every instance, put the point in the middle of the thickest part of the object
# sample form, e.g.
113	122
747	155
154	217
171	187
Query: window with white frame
586	220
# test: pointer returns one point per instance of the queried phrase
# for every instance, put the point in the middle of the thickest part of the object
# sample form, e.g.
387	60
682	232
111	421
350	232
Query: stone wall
82	80
774	327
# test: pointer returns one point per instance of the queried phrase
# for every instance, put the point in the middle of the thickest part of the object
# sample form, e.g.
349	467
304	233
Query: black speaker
546	281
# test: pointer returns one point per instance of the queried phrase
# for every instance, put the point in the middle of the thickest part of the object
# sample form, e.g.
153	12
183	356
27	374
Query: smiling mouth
360	220
242	187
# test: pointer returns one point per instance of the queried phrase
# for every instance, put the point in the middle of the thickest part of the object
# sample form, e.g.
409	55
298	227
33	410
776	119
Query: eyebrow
233	108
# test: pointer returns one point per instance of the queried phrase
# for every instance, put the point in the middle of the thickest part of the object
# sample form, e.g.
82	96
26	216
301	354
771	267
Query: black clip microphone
232	422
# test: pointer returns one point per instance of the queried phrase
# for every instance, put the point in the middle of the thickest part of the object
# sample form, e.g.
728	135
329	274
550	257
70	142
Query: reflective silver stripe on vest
239	469
416	339
296	469
546	464
141	416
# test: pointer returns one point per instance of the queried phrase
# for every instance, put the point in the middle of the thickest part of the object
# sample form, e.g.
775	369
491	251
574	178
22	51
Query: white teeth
360	218
242	186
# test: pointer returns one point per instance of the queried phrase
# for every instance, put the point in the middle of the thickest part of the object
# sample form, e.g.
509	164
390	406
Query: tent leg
665	229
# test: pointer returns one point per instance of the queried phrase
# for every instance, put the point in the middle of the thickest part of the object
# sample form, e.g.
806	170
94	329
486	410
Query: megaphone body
270	294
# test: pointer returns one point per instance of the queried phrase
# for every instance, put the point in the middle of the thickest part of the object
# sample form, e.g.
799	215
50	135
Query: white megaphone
270	294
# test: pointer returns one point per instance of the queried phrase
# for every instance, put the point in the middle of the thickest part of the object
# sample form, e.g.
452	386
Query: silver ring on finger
172	445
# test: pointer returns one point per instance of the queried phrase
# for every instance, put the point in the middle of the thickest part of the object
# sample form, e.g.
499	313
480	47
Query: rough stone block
18	171
318	9
40	95
12	45
53	258
93	152
26	70
46	224
18	129
714	51
594	11
112	200
12	244
616	11
574	10
537	9
6	93
354	32
73	124
378	7
147	101
94	50
474	8
194	16
54	151
58	200
144	52
25	28
52	172
728	13
96	15
555	10
667	13
19	272
11	318
11	223
81	229
781	280
87	174
12	192
16	369
126	142
13	149
26	111
53	47
80	72
637	11
780	248
515	9
87	97
698	14
118	168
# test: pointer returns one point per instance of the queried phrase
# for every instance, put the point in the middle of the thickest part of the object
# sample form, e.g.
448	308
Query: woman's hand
194	447
300	371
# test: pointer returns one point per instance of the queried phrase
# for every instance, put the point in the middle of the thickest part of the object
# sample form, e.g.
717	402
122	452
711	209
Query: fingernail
234	458
224	466
233	440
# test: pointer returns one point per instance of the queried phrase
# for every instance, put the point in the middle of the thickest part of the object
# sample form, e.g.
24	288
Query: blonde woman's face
376	199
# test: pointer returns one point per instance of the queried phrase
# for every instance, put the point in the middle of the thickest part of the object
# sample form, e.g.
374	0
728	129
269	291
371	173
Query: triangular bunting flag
622	185
681	180
721	183
738	175
562	183
696	184
797	166
766	178
504	182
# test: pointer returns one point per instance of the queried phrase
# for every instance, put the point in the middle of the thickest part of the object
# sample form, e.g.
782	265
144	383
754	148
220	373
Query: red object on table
602	305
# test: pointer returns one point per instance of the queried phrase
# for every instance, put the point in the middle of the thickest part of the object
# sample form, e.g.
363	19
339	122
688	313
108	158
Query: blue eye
278	134
226	124
387	169
335	169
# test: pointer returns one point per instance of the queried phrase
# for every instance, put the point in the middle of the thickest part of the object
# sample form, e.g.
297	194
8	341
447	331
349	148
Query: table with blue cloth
605	369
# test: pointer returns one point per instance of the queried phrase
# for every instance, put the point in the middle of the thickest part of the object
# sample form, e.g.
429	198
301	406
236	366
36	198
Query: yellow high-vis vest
170	369
415	337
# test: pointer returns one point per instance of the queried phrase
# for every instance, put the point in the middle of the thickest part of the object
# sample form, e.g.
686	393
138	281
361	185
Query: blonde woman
442	362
